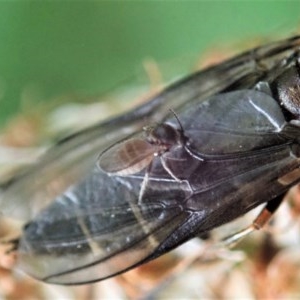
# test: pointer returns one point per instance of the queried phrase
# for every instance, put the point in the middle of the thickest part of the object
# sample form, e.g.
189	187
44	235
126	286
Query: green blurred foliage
84	47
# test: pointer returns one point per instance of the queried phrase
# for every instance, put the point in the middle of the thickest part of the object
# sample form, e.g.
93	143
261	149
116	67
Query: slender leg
144	183
260	221
136	211
164	164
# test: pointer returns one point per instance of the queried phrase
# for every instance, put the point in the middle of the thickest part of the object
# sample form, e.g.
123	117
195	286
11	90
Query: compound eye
287	87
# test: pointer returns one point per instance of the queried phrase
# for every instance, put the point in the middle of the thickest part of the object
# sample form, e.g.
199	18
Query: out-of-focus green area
48	48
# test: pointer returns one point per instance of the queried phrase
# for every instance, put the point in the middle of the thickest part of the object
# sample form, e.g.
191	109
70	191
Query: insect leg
144	183
96	250
164	164
260	221
135	209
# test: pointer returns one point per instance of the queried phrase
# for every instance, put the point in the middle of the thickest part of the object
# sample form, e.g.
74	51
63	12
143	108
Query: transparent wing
127	157
80	240
234	122
69	162
98	229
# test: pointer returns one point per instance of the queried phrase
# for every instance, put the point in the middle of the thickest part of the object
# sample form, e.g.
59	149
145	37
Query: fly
135	154
115	196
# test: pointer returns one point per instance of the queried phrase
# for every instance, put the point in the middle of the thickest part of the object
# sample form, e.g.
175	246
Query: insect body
238	148
133	155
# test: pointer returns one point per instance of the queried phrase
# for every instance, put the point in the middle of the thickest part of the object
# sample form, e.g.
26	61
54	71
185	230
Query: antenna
177	118
186	146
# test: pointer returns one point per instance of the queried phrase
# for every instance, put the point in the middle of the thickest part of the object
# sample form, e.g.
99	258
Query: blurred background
84	48
67	64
